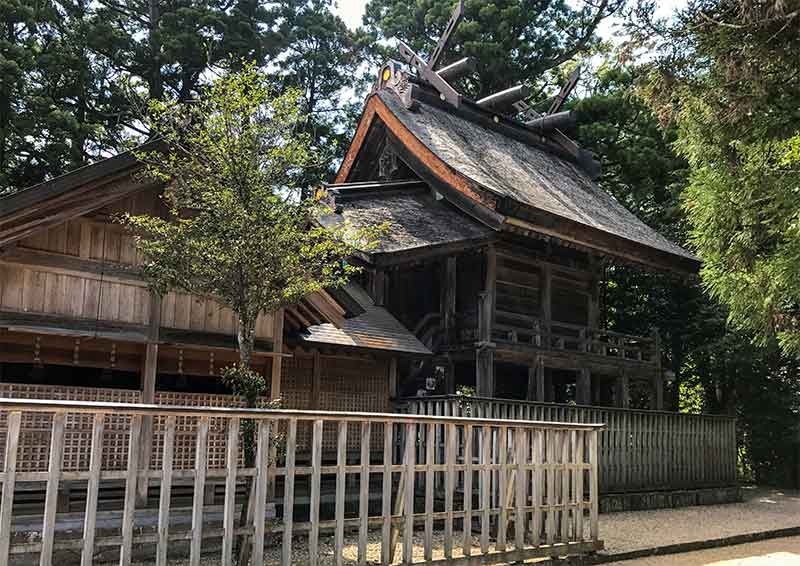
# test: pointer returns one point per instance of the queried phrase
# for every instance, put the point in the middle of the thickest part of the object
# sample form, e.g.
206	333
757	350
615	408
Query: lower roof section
374	329
416	219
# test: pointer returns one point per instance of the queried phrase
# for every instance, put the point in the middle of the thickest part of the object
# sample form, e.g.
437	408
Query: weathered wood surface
504	504
637	450
88	268
343	388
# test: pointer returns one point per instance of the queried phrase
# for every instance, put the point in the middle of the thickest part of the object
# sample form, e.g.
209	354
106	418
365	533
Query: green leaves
514	41
732	89
238	228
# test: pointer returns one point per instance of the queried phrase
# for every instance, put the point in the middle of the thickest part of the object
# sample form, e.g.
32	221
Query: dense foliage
716	369
726	74
513	41
80	73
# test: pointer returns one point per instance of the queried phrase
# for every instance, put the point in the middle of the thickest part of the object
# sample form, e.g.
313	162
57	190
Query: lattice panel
35	436
354	386
296	385
186	430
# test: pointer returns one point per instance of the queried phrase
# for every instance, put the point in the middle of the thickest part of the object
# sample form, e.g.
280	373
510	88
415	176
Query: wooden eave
462	192
421	254
71	195
496	211
527	220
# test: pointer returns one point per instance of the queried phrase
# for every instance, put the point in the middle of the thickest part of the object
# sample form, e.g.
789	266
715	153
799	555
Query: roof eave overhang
462	192
424	253
529	220
497	211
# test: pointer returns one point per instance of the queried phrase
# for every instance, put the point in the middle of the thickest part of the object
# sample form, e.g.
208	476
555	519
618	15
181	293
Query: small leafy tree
238	229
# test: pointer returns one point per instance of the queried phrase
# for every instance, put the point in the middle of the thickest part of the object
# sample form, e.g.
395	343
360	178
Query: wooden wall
86	268
525	281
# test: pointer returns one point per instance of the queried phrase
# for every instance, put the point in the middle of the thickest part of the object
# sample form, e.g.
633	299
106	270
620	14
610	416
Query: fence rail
638	450
516	490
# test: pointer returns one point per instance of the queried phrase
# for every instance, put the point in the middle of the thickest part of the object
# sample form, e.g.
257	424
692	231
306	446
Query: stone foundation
614	502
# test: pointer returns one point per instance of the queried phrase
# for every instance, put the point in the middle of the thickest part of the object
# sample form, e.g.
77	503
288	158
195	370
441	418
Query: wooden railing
638	450
531	488
521	329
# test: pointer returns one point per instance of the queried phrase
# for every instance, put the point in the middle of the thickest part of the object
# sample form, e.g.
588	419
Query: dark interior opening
511	380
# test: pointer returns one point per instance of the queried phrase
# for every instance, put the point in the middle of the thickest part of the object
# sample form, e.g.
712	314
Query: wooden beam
277	361
448	299
393	384
68	326
42	323
71	265
316	380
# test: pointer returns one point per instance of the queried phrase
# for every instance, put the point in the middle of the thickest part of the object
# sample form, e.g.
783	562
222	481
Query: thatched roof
415	218
498	172
522	172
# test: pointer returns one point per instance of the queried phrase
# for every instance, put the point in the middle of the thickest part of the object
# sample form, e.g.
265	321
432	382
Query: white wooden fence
531	491
638	450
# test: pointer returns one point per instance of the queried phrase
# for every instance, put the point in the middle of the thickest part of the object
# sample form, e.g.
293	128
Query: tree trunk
156	90
246	339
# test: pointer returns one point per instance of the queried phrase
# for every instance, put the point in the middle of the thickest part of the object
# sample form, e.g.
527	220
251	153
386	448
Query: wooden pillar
547	296
484	356
594	293
394	387
277	360
275	393
448	299
484	368
658	375
536	384
583	391
530	394
316	380
449	377
148	388
623	392
547	379
379	282
490	283
657	397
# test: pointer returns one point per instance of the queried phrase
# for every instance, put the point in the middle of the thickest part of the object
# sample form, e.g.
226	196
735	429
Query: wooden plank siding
637	451
87	268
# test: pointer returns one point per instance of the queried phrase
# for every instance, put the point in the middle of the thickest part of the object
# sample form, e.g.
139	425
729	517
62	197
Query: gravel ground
761	510
775	552
272	554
